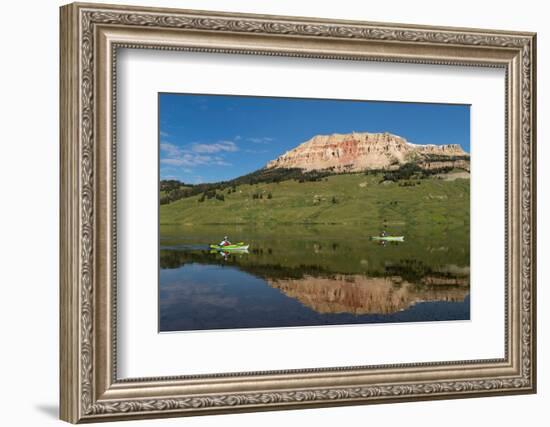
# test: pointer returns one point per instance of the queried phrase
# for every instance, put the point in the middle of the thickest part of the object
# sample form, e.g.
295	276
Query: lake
311	275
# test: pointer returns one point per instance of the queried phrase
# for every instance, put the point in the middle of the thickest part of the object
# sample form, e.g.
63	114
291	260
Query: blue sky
210	138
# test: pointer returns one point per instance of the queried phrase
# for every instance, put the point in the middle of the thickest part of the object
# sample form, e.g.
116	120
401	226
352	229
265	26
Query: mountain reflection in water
310	276
358	294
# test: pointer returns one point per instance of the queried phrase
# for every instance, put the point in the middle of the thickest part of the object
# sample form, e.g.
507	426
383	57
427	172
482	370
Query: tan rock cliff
361	151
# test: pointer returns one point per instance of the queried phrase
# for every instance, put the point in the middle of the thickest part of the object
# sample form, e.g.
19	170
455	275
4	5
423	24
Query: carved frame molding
90	37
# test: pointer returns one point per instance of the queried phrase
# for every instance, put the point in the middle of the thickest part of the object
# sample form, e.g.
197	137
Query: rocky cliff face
361	151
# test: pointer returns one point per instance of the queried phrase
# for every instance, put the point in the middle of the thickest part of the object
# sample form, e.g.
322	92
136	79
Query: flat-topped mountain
359	151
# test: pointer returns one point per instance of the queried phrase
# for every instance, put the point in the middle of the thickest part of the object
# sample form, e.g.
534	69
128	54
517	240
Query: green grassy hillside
336	199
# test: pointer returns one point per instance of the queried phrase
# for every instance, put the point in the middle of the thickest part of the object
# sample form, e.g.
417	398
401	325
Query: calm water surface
310	275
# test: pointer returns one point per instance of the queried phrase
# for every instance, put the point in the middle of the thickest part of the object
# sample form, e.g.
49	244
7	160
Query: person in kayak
225	242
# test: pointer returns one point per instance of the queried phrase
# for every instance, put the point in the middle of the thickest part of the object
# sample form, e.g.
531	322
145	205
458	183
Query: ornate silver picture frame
91	390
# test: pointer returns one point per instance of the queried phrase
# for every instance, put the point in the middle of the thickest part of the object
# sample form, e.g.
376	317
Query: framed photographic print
265	212
320	217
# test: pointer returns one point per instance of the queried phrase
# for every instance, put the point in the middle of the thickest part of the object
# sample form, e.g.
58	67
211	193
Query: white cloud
188	159
221	146
260	140
172	171
165	134
172	155
220	161
170	149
